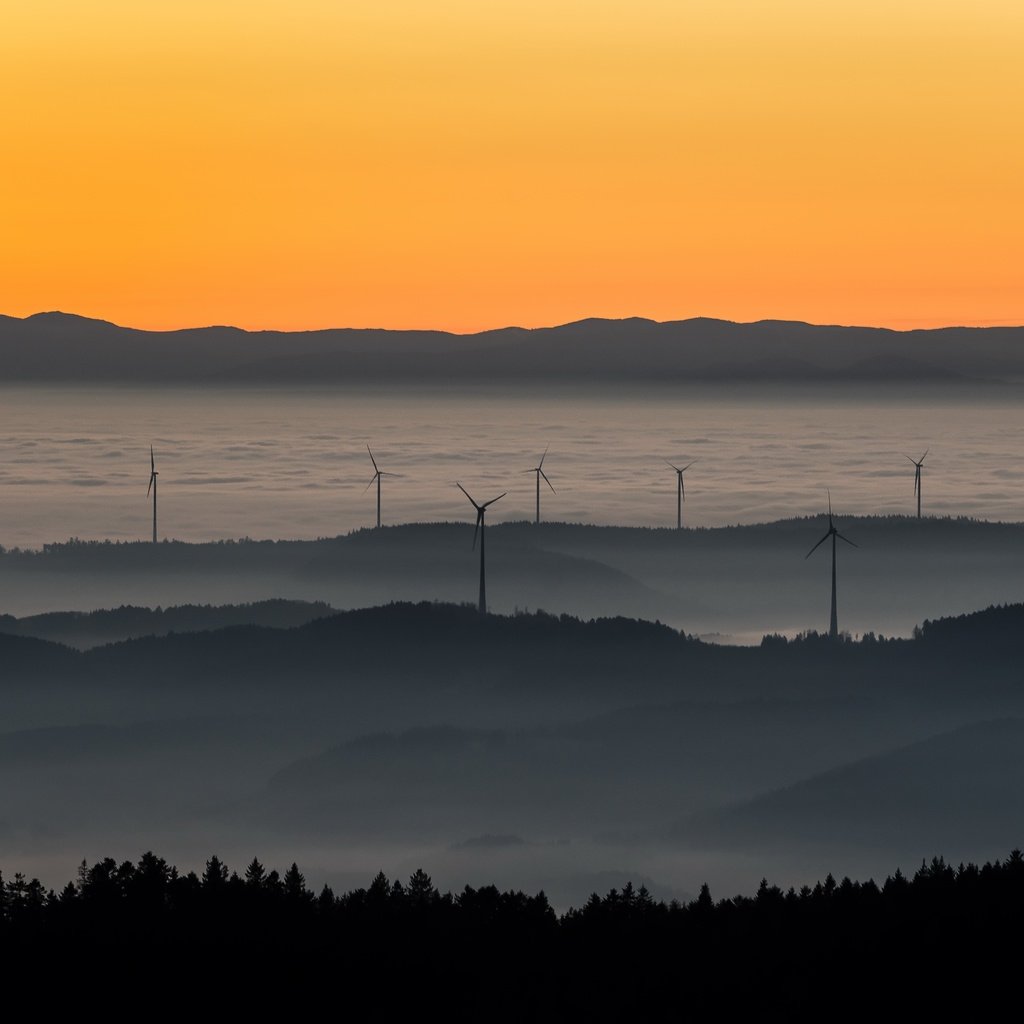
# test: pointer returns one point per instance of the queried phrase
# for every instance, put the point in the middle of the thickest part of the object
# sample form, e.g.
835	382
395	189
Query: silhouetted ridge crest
999	625
87	629
60	346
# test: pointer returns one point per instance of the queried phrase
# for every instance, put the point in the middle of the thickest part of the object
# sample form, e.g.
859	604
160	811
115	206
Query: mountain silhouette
58	346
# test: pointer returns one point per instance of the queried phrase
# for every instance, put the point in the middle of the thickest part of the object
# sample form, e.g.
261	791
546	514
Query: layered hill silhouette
63	347
414	726
741	580
963	786
108	625
450	655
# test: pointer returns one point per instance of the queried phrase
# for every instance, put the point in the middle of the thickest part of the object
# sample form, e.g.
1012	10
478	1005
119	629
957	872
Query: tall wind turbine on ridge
918	463
480	510
153	474
539	470
833	627
680	491
377	474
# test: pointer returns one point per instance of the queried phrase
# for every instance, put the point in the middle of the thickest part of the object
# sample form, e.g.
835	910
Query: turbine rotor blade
372	459
492	501
479	520
373	480
152	461
923	457
688	465
543	457
150	487
667	463
848	541
818	545
546	480
467	494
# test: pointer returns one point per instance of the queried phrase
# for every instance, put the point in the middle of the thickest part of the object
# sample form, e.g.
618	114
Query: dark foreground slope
946	939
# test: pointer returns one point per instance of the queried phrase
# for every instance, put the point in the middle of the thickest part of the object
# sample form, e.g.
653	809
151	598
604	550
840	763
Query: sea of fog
274	463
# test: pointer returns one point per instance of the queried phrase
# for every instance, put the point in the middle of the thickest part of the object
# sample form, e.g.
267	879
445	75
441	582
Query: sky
466	165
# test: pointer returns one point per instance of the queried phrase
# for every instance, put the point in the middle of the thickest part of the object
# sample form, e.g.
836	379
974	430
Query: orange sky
466	164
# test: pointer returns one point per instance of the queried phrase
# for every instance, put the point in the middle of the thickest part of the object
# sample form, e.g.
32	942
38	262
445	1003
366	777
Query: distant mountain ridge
62	347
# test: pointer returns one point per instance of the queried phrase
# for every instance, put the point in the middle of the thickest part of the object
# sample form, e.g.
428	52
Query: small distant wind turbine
480	510
918	463
153	474
539	470
833	628
377	474
680	491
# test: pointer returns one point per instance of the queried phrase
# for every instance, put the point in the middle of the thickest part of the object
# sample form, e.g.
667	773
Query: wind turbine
480	510
918	463
153	474
539	470
833	627
377	474
680	491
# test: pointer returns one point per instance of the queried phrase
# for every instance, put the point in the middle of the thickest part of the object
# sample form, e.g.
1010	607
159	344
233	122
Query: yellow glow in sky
468	165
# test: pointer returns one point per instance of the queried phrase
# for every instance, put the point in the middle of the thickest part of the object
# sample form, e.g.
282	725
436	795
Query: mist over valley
277	676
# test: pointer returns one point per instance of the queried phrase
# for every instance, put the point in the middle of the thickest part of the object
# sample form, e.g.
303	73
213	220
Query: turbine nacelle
480	509
539	470
679	475
377	476
377	473
918	463
153	474
832	531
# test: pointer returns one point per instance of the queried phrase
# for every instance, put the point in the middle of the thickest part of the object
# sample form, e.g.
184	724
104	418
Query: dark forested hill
445	646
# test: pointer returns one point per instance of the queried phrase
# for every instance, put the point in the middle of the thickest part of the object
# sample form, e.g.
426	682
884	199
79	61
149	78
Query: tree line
944	935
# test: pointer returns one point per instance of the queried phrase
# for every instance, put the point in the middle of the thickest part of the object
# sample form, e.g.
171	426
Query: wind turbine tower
152	487
377	474
833	626
480	510
680	491
918	463
539	471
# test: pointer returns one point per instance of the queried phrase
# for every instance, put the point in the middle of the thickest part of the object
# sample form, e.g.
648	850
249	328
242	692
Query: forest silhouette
944	935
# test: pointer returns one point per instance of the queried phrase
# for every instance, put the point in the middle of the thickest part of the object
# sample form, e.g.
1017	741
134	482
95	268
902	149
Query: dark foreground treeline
945	936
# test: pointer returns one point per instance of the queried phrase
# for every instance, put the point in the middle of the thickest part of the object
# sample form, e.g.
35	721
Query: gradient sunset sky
465	165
